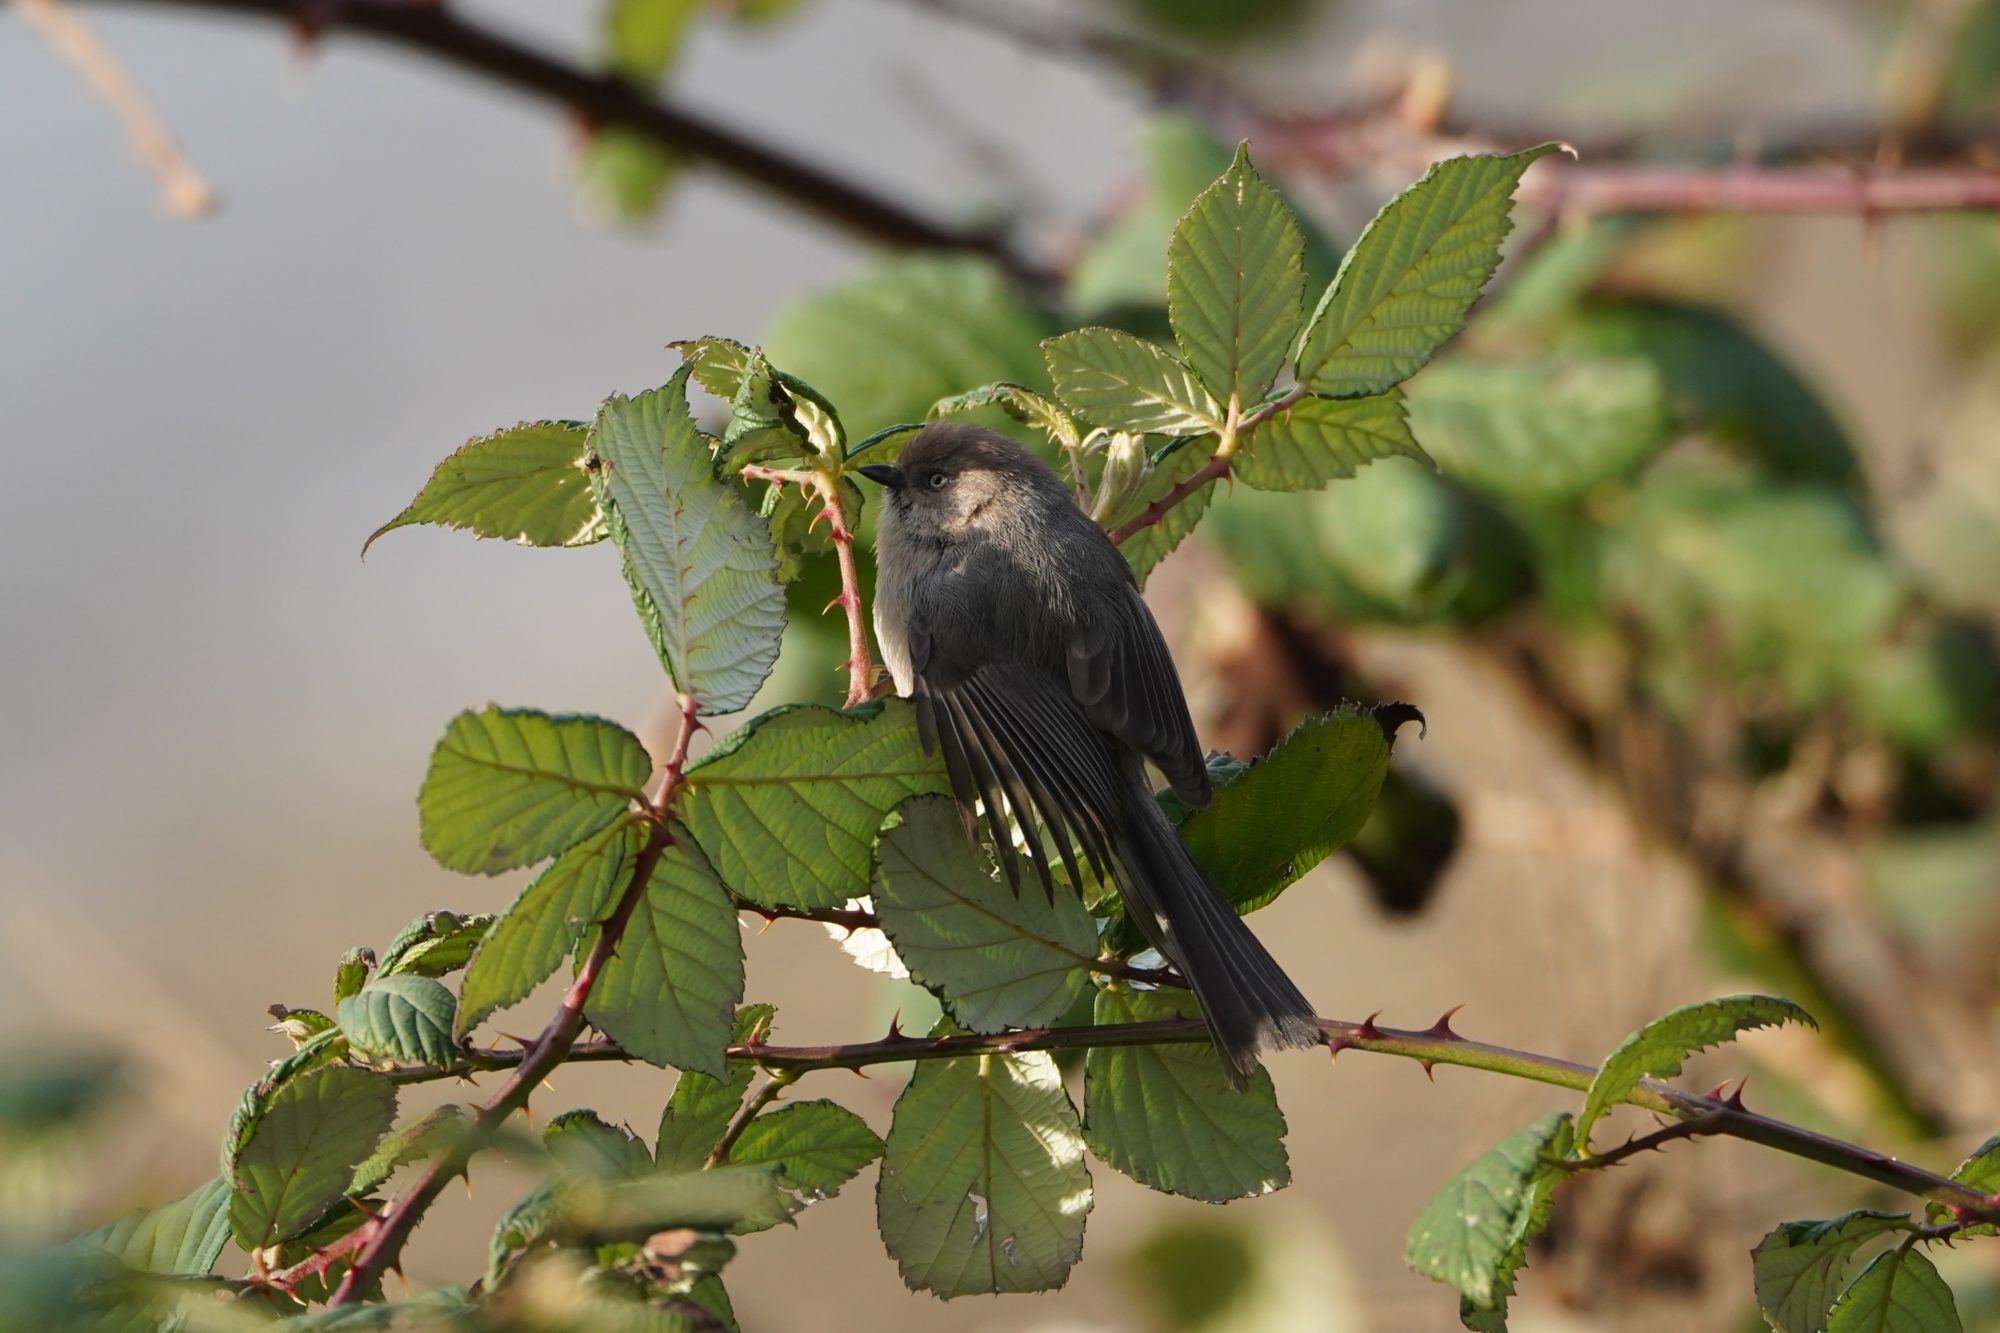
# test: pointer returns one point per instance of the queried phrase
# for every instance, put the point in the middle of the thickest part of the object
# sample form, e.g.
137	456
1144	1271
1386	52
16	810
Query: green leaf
1543	430
625	173
1167	1117
585	1143
418	1141
701	1107
788	807
299	1158
997	958
1293	808
401	1019
983	1185
1408	282
509	786
1656	1050
1473	1234
181	1238
816	1146
1899	1292
529	940
436	943
641	37
1125	383
255	1101
1150	545
1019	402
700	563
1798	1267
1235	280
888	344
669	990
1980	1171
526	483
352	972
1319	439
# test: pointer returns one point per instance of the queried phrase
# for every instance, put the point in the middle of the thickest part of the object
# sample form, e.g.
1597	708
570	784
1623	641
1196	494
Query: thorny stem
1436	1045
387	1234
824	483
860	665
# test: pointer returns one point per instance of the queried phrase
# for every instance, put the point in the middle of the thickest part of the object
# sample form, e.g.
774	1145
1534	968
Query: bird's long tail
1246	998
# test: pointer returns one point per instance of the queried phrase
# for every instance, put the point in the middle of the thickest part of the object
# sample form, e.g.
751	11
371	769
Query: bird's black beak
883	474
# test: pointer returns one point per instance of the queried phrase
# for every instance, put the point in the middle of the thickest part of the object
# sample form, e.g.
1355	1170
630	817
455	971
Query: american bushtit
1010	619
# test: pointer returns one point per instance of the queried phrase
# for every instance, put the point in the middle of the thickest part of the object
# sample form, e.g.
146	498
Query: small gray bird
1011	621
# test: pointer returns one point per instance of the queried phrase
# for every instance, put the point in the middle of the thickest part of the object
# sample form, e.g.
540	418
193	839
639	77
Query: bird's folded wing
1122	675
1011	735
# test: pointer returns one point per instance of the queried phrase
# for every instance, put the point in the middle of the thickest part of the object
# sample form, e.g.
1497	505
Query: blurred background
1701	608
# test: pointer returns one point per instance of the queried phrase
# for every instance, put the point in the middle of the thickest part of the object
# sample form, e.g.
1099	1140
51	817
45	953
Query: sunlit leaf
1799	1267
507	787
1125	383
526	484
1235	280
183	1237
983	1185
1899	1292
299	1158
401	1019
1319	439
1408	282
699	562
788	807
1657	1050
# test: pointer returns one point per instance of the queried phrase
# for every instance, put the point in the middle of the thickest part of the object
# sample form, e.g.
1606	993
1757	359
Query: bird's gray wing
1124	679
1013	739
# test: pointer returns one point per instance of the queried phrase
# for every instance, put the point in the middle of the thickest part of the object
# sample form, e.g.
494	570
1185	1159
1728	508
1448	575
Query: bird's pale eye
937	481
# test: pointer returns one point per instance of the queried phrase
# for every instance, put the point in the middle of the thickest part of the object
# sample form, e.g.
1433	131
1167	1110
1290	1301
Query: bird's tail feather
1246	998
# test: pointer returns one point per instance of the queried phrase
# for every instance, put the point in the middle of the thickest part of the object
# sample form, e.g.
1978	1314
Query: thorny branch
824	484
385	1236
1429	1047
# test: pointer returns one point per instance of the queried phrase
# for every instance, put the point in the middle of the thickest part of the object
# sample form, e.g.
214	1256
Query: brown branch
387	1234
1214	469
601	98
187	194
1587	190
1436	1045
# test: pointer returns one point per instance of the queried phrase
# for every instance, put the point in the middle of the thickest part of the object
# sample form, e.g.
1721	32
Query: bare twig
187	194
387	1234
775	1083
